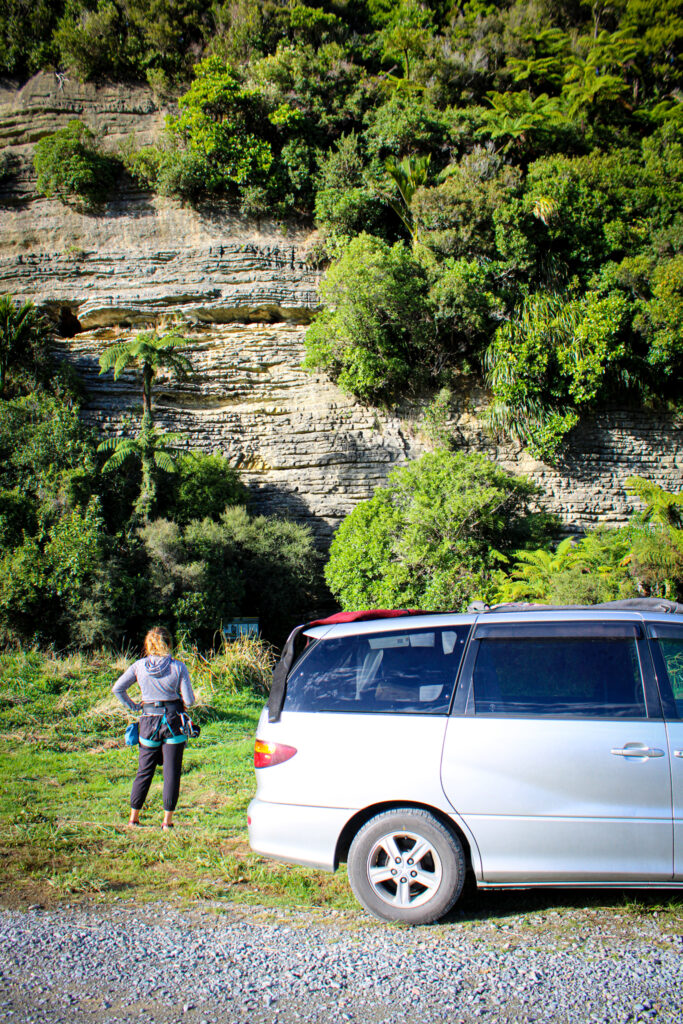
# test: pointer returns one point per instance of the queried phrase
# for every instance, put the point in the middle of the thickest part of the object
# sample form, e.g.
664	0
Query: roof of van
348	623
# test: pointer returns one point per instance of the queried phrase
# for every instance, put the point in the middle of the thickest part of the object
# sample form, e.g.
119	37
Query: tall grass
45	696
242	664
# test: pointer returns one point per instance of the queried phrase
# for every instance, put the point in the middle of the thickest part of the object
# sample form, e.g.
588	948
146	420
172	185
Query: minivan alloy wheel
405	865
404	869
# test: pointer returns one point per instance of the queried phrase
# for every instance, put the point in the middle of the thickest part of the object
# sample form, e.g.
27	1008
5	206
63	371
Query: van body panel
354	761
549	799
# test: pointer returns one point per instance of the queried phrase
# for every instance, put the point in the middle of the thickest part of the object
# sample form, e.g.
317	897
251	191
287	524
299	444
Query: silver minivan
525	745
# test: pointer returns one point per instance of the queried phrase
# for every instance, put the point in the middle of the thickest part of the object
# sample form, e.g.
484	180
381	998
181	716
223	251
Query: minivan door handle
637	751
678	753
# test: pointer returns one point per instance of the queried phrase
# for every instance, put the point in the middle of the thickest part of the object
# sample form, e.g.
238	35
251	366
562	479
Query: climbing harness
153	741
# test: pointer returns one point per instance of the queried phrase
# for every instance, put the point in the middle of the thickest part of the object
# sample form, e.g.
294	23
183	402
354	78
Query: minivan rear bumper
297	834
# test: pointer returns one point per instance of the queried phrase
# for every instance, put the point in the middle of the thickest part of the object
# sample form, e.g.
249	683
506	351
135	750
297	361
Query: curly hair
157	642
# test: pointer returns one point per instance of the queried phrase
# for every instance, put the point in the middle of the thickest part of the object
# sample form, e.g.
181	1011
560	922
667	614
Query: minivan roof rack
631	604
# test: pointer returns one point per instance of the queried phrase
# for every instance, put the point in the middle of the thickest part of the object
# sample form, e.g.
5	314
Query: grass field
65	777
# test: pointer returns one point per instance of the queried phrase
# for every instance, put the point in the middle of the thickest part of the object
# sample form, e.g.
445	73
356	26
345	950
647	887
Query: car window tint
412	673
559	677
672	652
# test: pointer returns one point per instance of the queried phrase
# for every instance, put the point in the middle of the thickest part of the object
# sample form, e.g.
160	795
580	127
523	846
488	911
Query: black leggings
171	756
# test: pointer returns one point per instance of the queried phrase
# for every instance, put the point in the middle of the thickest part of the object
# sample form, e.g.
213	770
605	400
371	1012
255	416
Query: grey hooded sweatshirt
159	679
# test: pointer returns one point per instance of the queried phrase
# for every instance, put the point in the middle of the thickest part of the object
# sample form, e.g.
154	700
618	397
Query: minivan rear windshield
411	672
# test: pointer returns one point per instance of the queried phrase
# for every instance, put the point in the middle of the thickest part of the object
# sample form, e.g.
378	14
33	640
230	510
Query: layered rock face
245	292
304	449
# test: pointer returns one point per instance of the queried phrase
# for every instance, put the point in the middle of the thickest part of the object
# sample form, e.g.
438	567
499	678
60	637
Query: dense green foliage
433	538
370	335
83	561
22	345
451	528
70	165
643	558
210	571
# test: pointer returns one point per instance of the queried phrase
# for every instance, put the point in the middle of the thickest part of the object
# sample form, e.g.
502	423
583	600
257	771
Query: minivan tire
394	886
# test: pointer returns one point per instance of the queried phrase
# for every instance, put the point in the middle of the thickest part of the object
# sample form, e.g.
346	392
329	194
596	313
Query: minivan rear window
411	672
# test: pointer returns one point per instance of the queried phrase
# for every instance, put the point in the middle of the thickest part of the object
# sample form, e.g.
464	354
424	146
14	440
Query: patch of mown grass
65	778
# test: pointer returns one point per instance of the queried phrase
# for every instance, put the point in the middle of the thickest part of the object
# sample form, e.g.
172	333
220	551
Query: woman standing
166	692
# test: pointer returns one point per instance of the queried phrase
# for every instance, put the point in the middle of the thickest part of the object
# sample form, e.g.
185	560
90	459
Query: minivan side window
672	653
559	676
412	672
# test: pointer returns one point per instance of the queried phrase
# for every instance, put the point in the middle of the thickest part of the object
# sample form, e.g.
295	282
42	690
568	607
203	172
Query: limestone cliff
246	292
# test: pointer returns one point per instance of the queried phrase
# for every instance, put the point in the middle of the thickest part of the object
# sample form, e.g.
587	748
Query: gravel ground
107	964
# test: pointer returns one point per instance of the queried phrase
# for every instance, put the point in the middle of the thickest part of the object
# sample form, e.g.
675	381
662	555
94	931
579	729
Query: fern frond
164	461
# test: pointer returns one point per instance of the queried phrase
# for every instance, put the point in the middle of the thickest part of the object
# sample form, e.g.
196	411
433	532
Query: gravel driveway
115	963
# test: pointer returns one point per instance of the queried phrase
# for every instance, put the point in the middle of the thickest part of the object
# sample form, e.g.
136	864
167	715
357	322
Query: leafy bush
217	130
372	337
90	41
126	40
434	536
458	216
201	488
464	305
26	34
206	573
346	202
554	358
663	318
69	164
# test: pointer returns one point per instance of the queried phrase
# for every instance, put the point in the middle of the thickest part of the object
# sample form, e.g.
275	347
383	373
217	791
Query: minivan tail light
267	754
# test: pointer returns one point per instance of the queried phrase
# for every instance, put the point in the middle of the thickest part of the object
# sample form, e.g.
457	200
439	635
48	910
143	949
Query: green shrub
406	124
18	515
92	43
371	339
433	538
464	305
458	216
217	132
204	574
144	165
69	164
554	358
26	31
131	40
663	319
346	201
182	172
201	488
